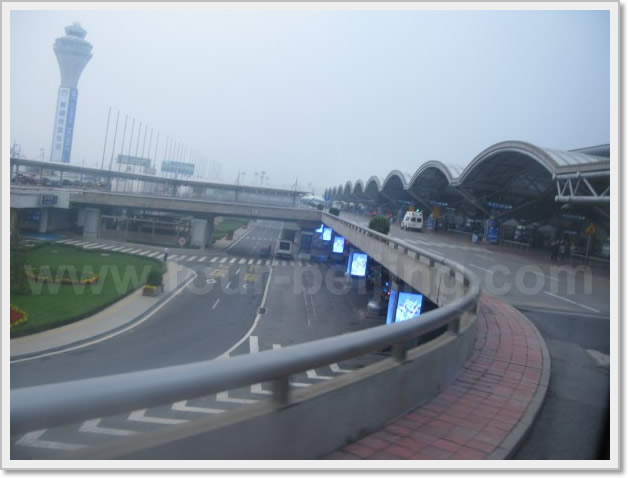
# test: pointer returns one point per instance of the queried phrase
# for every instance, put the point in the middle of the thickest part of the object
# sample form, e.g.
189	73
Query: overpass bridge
59	208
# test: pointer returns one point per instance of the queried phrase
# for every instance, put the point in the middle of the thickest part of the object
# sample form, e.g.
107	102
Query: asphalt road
216	315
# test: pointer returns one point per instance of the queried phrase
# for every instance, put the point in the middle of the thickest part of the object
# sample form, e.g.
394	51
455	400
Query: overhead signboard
48	199
133	160
186	169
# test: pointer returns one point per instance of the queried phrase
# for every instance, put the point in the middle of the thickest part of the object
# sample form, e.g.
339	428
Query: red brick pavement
485	412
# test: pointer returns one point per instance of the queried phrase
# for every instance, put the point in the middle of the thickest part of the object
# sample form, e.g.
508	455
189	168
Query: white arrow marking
182	406
32	439
224	397
335	368
138	416
92	426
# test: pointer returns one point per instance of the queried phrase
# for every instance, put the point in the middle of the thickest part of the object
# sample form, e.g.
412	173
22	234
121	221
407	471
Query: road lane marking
118	248
183	406
242	261
312	374
93	426
143	253
237	272
601	359
172	257
108	247
153	254
233	260
481	268
224	397
572	302
251	261
135	251
214	259
335	368
259	262
140	416
32	439
202	259
190	259
223	260
215	304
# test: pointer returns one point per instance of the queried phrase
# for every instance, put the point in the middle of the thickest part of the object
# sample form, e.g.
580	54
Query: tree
380	224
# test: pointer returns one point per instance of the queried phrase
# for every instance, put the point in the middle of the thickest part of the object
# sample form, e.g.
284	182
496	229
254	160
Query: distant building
73	53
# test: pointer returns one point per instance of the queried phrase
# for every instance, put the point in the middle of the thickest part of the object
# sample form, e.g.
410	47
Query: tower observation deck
73	52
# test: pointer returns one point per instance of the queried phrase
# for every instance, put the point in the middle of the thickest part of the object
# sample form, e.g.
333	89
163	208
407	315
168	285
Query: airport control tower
73	53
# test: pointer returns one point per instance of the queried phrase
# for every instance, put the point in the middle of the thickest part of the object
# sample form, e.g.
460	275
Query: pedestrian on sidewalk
165	254
555	246
562	250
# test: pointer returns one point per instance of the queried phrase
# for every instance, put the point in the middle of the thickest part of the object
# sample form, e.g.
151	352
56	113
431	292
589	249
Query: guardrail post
454	327
281	391
399	352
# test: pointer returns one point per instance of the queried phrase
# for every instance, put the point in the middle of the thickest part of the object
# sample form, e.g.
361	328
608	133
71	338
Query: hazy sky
325	96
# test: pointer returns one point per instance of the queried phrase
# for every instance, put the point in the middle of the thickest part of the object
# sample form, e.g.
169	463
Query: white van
413	220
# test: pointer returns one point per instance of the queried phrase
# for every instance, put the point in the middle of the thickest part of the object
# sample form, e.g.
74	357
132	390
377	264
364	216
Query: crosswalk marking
259	262
135	251
214	259
73	242
190	259
81	243
143	253
153	254
242	261
172	257
202	259
118	248
294	384
233	260
250	262
223	260
64	241
108	247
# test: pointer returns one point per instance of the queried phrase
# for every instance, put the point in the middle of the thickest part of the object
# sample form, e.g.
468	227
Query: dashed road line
215	304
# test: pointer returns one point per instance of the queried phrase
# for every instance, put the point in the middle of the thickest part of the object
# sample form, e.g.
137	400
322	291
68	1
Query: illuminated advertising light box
327	234
408	306
391	307
320	229
358	264
339	245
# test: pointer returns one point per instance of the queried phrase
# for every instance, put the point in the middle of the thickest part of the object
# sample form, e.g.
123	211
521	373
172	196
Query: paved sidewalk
485	413
119	315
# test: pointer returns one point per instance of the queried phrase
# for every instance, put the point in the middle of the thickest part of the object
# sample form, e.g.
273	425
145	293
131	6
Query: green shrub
334	211
154	278
380	224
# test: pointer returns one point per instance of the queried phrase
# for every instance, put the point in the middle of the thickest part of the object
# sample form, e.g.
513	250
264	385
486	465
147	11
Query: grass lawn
227	224
50	305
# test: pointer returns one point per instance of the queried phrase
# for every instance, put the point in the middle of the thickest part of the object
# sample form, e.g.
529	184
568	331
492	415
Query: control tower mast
73	52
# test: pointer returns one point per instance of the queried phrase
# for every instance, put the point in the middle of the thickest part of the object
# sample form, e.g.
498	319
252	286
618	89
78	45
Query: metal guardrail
51	405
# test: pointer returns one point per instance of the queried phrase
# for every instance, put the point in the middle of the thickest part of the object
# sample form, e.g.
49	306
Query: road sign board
590	229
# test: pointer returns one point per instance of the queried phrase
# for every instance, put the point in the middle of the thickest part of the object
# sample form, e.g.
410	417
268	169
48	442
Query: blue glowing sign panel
492	231
327	234
409	306
391	307
339	245
320	229
358	264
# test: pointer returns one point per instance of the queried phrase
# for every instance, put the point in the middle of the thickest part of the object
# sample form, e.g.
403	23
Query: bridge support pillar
91	223
43	221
